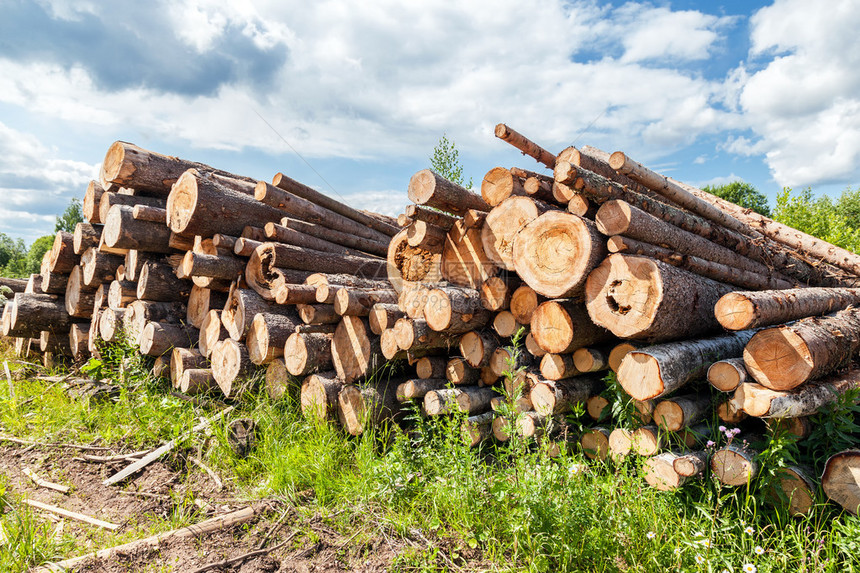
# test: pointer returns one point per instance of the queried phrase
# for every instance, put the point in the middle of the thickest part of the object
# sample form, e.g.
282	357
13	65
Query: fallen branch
210	525
44	483
244	557
49	445
157	453
218	484
115	458
71	514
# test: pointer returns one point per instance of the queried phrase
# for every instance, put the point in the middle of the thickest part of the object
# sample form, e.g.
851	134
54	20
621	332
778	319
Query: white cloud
803	104
718	181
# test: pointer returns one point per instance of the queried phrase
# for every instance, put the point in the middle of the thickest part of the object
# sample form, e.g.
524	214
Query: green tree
37	250
73	215
820	217
446	162
742	194
12	256
848	206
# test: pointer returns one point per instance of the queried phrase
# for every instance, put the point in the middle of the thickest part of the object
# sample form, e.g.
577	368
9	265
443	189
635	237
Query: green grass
497	507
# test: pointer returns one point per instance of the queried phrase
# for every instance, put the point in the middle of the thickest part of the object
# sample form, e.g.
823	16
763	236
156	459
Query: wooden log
597	408
355	352
53	283
734	464
211	332
467	399
526	146
134	261
416	334
532	346
558	366
57	344
797	488
319	396
289	236
562	326
504	224
383	316
149	213
327	285
551	397
742	310
595	443
477	347
430	189
620	443
431	216
122	230
90	204
726	375
158	282
799	427
97	267
499	184
597	161
230	363
287	203
242	306
369	405
200	302
464	261
160	338
655	371
307	353
267	335
736	218
619	351
244	247
716	271
808	399
358	302
659	472
784	357
477	429
423	234
182	359
212	266
334	237
298	189
678	412
79	298
691	463
266	279
460	373
647	440
532	425
86	236
284	256
79	336
496	292
407	264
841	480
590	359
294	294
640	298
505	324
61	256
555	252
140	312
455	310
731	411
413	298
32	313
318	314
431	367
278	380
121	294
197	381
417	388
110	324
524	301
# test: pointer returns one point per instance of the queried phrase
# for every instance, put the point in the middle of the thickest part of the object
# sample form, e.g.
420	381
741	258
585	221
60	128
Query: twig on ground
275	528
145	494
9	380
71	514
45	483
218	484
53	445
114	458
245	556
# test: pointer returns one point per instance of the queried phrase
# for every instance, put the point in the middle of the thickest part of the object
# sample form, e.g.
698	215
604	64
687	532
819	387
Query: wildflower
677	551
651	535
725	571
698	534
749	530
722	428
759	550
704	543
736	431
710	444
699	559
749	568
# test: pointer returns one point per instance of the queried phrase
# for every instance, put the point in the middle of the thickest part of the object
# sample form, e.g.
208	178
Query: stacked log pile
512	306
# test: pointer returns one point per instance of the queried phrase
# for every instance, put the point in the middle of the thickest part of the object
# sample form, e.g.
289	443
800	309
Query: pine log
294	294
431	216
417	388
57	344
496	292
499	184
319	396
476	429
736	218
554	253
369	405
455	310
558	396
532	425
647	440
619	351
808	399
524	301
244	247
655	371
596	161
33	284
121	294
727	374
416	334
92	199
731	411
85	237
212	266
278	380
328	284
558	366
98	267
159	338
734	464
355	352
532	346
79	298
383	316
140	312
212	331
797	488
621	218
413	298
298	189
149	213
741	310
477	347
408	264
784	357
79	336
620	442
290	236
431	367
158	282
242	306
423	234
640	298
503	225
134	261
505	324
467	399
709	269
307	353
266	279
678	412
53	283
230	363
460	373
432	190
526	146
182	359
268	333
691	463
291	257
318	314
334	237
200	302
464	261
659	472
841	480
798	427
61	256
595	443
287	203
597	408
30	314
127	203
197	381
110	324
562	326
358	302
590	359
123	231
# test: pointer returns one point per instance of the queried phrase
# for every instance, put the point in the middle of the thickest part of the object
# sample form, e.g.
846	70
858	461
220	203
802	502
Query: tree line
17	260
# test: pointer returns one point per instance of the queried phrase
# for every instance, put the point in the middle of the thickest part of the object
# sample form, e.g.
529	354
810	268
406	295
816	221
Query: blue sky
706	92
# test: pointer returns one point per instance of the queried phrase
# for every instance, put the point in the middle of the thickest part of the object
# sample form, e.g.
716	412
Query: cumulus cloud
803	103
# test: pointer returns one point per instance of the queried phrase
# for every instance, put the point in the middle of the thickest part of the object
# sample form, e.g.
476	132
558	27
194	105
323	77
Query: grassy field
506	507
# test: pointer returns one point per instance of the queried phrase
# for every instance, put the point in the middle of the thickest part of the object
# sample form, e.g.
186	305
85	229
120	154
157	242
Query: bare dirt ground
313	544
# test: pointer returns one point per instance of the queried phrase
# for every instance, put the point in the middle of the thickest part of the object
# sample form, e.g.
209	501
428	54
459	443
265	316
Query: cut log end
735	311
778	358
639	375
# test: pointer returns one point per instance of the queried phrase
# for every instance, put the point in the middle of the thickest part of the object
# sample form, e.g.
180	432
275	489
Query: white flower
650	535
759	550
725	571
698	534
749	568
677	551
704	543
749	530
699	559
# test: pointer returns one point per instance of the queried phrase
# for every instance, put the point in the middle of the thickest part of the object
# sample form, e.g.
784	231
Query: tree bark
383	316
455	310
656	371
230	362
430	189
741	310
640	298
590	359
127	203
841	479
159	283
160	338
678	412
307	353
727	374
370	405
558	396
467	399
808	399
526	146
417	388
318	397
269	333
562	326
784	357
